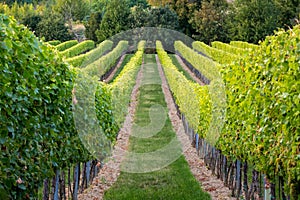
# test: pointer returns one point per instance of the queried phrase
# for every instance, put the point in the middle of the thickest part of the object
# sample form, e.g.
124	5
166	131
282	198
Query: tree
160	3
209	21
21	11
114	20
52	27
99	5
185	10
163	17
72	10
289	12
139	16
142	3
252	20
98	8
92	25
32	22
10	2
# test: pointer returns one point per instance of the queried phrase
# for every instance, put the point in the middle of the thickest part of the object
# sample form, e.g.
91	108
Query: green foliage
105	99
262	87
121	88
27	13
92	25
91	56
11	2
21	11
193	100
99	5
92	115
46	19
218	55
184	10
263	108
103	105
205	109
38	134
52	27
37	127
32	21
211	70
252	20
139	17
163	17
205	65
78	49
66	45
247	20
103	64
244	45
114	20
72	10
142	3
54	42
229	48
289	12
209	21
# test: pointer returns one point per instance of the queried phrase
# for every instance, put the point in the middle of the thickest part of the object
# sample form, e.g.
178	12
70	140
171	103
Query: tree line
205	20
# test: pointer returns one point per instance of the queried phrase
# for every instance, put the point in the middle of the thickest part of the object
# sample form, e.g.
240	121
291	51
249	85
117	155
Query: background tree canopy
114	20
205	20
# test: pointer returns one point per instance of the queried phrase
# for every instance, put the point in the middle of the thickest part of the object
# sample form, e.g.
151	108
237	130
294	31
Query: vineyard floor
186	71
182	179
181	67
123	61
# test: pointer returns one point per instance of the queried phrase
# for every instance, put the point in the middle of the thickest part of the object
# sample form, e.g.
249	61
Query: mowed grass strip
180	68
125	61
174	182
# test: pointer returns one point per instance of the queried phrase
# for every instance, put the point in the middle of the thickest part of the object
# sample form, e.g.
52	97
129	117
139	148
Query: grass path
174	182
180	68
117	71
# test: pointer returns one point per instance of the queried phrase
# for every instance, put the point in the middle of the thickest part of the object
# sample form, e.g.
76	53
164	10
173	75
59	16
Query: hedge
65	45
192	99
103	64
217	55
54	42
244	45
229	48
122	86
78	49
83	60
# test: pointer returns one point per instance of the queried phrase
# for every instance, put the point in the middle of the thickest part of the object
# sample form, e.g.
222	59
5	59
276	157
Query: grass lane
180	68
174	182
125	61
